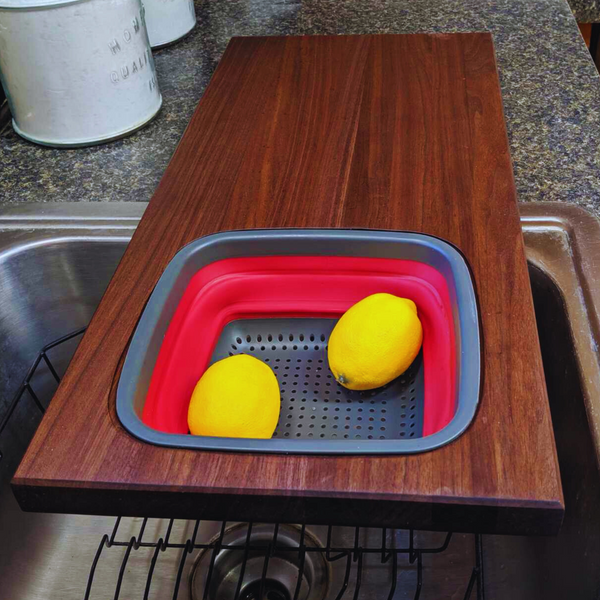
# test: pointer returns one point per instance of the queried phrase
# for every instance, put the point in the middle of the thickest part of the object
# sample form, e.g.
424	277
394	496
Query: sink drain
271	590
284	565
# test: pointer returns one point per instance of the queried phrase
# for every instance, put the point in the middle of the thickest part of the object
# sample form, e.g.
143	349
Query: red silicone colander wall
302	286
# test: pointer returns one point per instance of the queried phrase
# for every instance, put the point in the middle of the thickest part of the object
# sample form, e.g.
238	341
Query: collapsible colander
276	294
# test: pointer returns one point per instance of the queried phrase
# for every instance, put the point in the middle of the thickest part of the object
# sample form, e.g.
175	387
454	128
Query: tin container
77	72
169	20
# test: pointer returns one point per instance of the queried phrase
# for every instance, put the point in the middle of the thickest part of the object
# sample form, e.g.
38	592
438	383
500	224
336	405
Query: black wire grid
352	554
26	385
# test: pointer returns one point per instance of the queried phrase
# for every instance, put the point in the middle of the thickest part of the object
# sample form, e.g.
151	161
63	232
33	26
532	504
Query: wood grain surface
389	132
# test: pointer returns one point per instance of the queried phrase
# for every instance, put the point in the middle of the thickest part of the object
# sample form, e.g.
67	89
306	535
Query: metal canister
77	72
169	20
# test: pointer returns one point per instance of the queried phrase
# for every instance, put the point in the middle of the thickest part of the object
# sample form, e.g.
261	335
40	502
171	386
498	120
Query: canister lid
16	4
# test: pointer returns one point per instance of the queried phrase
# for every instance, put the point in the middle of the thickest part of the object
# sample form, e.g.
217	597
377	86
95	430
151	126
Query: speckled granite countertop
586	11
550	87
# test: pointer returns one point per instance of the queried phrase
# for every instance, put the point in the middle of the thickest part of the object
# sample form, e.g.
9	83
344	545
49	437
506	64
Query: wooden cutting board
388	132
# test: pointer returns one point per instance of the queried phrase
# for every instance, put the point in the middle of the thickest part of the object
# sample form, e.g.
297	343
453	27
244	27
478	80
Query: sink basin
55	263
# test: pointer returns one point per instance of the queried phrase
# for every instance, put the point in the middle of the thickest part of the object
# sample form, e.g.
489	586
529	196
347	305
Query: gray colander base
313	405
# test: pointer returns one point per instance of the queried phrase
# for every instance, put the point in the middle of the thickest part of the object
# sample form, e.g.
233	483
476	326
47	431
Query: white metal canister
77	72
168	20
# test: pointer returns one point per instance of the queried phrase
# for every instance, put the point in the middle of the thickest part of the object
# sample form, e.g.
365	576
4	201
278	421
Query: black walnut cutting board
387	132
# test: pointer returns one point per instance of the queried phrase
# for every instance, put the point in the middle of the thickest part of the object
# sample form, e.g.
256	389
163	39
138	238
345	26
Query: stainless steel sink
56	261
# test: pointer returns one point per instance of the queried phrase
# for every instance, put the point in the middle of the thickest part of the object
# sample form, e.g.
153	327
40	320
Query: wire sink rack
350	555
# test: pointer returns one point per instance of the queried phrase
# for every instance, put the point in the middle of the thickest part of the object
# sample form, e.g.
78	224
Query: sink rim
577	277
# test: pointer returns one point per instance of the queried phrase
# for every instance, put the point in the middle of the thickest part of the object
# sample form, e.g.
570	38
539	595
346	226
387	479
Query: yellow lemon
374	341
236	397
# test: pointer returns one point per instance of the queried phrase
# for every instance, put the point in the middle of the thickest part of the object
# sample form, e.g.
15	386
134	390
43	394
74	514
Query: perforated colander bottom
313	404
